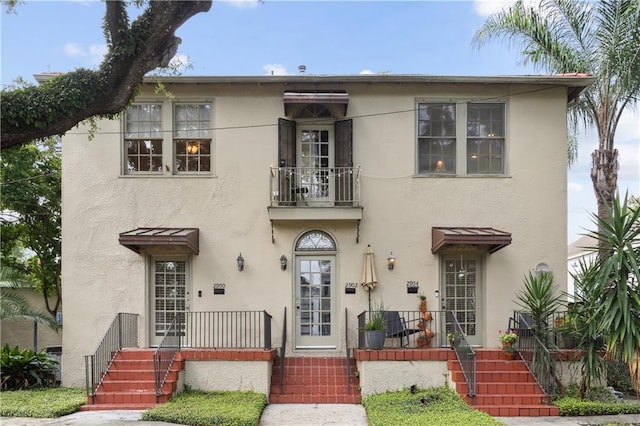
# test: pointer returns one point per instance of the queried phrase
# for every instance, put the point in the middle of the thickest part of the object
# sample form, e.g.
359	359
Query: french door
462	290
315	323
314	163
169	295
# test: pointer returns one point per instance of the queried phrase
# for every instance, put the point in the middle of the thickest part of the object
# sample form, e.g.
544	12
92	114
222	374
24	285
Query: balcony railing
227	330
315	187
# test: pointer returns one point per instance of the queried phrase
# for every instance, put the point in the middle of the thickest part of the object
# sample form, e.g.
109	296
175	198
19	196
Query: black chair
397	327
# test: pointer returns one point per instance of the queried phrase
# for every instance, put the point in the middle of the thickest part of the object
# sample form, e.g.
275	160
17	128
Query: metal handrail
166	353
315	187
536	355
122	333
283	347
227	330
464	352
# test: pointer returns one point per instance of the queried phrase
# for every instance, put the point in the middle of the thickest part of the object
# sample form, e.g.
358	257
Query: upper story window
192	136
166	138
143	138
460	138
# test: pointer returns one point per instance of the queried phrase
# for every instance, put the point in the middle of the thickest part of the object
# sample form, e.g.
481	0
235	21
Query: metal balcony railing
315	187
227	330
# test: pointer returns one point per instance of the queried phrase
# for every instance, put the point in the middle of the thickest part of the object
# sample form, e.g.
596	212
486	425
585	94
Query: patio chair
397	327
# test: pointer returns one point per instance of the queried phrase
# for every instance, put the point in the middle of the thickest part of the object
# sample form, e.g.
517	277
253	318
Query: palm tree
13	306
574	36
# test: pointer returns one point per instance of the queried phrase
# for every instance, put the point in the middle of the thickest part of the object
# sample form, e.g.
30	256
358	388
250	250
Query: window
440	142
485	138
157	143
436	138
143	138
192	136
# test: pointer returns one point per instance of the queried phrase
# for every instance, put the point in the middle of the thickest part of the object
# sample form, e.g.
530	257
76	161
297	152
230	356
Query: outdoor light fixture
283	262
391	260
240	261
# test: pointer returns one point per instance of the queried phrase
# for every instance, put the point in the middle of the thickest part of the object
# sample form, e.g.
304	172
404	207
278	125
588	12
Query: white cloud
242	4
94	53
366	72
489	7
275	69
574	187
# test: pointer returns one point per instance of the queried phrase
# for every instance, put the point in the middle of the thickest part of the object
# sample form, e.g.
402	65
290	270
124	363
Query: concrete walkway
300	415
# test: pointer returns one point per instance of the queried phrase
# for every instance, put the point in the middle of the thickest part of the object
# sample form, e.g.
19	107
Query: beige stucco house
243	194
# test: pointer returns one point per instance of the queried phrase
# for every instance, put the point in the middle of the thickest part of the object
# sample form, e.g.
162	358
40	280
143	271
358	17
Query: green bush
26	369
570	406
434	406
199	408
619	378
41	403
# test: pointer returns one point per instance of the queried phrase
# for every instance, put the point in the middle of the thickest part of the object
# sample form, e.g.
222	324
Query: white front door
314	164
462	290
169	294
315	323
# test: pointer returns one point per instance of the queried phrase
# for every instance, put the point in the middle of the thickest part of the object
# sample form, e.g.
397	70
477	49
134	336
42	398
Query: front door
315	322
461	289
314	164
169	295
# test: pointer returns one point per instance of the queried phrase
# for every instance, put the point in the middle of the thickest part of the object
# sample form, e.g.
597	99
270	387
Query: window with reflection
143	139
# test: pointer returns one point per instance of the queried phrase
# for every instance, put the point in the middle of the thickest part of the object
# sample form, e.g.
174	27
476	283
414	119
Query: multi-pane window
143	138
436	138
168	138
192	137
441	138
485	138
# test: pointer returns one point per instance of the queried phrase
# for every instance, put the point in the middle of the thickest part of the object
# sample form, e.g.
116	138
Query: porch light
391	260
240	261
283	262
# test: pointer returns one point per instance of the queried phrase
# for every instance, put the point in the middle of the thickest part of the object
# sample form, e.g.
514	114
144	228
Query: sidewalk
300	415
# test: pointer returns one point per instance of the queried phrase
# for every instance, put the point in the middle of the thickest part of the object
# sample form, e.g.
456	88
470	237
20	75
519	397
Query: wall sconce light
542	267
240	261
283	262
391	260
437	294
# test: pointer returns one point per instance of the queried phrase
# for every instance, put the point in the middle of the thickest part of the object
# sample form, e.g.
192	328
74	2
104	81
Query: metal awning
337	101
141	238
488	239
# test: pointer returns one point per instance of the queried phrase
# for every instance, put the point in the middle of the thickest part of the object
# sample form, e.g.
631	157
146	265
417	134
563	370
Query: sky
329	37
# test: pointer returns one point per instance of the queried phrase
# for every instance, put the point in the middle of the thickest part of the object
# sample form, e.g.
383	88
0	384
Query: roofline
577	81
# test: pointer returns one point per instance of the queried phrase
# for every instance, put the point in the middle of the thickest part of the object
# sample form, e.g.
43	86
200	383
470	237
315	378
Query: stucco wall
101	277
228	375
383	376
21	333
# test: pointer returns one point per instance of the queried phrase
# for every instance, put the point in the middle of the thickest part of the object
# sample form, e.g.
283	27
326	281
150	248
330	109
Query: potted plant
508	339
374	328
451	337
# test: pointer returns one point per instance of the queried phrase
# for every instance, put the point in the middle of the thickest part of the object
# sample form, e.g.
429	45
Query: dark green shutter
343	162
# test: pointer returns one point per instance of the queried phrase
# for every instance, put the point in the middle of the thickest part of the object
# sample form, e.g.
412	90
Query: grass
434	406
199	408
42	403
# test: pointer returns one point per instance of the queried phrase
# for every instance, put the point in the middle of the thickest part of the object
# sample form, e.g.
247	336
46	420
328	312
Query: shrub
42	403
210	408
570	406
434	406
26	369
618	377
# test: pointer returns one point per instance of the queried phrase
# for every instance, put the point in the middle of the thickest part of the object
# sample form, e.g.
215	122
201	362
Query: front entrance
314	293
169	295
462	290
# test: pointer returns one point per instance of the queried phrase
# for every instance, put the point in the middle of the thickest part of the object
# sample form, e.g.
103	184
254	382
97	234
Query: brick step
519	410
110	407
492	354
134	354
507	399
132	364
136	397
136	385
141	375
491	365
496	376
316	381
314	362
315	399
312	390
508	389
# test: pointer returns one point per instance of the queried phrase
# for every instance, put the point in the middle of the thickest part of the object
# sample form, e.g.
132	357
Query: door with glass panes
461	292
169	296
314	293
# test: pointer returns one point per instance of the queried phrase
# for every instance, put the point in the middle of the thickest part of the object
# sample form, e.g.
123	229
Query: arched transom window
315	240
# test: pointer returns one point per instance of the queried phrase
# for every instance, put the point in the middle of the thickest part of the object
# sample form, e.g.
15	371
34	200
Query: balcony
307	193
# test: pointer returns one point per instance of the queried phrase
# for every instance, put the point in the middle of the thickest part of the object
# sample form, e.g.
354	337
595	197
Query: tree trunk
604	176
